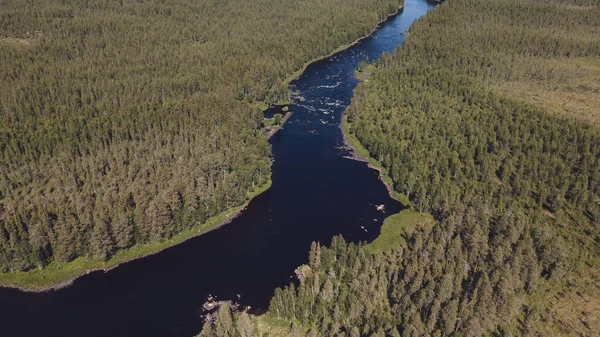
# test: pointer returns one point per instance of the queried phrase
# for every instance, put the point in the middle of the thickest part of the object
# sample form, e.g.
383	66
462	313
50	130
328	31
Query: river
316	193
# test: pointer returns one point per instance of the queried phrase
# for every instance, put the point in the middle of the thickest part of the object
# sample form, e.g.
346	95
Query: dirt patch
16	42
573	91
576	314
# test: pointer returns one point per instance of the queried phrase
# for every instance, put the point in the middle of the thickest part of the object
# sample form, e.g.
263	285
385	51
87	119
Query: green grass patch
271	326
57	274
395	227
285	101
260	105
364	71
268	121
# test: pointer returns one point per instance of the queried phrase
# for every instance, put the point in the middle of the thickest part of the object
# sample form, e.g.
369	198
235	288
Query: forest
126	122
458	118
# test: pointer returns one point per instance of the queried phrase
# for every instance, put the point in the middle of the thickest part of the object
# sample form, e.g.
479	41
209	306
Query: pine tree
314	257
102	244
224	326
244	325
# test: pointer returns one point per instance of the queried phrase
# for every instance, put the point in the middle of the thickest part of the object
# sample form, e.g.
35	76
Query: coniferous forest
127	122
513	183
124	122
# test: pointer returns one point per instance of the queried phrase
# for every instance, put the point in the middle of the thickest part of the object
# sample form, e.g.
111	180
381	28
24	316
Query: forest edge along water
67	273
359	153
58	275
316	193
294	76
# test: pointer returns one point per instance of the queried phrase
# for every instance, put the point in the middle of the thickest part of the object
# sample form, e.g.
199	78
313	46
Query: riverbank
57	275
396	228
262	105
360	153
300	71
271	131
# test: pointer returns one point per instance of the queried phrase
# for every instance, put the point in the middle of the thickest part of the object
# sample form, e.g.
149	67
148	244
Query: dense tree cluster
453	279
515	190
127	121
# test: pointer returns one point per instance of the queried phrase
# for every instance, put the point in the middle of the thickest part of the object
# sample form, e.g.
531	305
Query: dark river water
316	194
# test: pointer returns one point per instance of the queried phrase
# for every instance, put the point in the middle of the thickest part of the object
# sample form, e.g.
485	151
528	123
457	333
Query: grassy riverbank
57	275
395	227
398	226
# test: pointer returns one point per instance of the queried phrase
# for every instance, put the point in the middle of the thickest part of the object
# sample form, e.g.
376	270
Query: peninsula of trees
486	120
126	122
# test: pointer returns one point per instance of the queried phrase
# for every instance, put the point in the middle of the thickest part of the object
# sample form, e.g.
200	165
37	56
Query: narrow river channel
317	193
